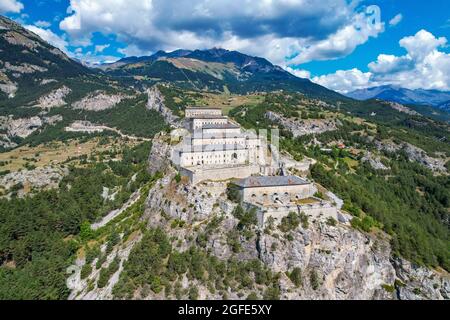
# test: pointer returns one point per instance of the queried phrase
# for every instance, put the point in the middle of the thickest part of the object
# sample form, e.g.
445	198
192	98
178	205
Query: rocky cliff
156	102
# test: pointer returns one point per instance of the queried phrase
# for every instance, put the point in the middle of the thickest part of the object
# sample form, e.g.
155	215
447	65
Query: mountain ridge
240	73
401	95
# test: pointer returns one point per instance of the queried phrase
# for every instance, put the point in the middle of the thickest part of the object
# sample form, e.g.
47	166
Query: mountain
402	95
28	62
214	69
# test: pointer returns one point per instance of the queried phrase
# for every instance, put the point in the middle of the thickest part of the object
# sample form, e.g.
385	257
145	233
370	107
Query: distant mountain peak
402	95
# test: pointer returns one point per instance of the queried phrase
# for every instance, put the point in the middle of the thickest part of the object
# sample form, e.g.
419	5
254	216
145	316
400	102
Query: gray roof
220	126
207	116
203	108
213	148
273	181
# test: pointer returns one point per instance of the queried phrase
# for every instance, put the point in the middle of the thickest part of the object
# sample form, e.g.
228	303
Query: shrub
290	223
314	279
296	277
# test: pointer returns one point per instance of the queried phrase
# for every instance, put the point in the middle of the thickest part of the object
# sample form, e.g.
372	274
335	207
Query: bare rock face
7	86
80	289
374	161
414	154
300	127
419	283
39	178
24	68
420	156
160	154
336	261
401	108
54	98
156	102
347	263
99	101
24	127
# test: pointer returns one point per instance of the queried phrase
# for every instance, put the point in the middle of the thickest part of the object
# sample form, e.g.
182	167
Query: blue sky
328	41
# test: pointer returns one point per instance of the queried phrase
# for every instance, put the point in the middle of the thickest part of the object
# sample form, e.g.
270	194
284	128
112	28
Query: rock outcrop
414	154
401	108
300	127
160	154
156	102
24	127
346	263
39	178
99	101
54	98
374	161
419	283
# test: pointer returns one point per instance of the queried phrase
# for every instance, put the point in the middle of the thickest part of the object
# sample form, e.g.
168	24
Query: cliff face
347	263
156	102
331	260
336	261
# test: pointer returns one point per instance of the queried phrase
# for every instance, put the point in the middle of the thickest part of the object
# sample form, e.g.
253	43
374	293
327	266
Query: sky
342	44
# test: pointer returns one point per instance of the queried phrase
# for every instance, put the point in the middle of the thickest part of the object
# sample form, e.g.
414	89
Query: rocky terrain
374	161
23	127
7	86
414	154
99	101
36	179
54	98
301	127
336	260
156	102
401	108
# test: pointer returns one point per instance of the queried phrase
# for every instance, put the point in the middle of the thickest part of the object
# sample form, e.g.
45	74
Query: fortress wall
220	131
219	174
316	212
192	113
220	157
199	123
268	194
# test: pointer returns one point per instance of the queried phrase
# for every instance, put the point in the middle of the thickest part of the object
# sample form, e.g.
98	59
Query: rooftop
213	148
203	108
220	126
207	116
275	181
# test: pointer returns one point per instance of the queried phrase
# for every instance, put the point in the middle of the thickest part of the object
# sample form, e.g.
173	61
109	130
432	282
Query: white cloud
341	43
345	80
101	48
42	24
50	37
10	6
396	20
421	44
299	72
387	63
276	29
423	66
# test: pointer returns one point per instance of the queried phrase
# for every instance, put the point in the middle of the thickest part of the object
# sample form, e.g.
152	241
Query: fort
215	148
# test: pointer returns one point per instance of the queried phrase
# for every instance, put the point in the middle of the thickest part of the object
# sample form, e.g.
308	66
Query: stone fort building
215	148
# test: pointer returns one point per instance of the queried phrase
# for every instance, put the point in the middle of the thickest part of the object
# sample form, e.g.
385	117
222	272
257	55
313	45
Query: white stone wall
284	194
199	123
229	132
198	112
317	211
208	158
219	174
